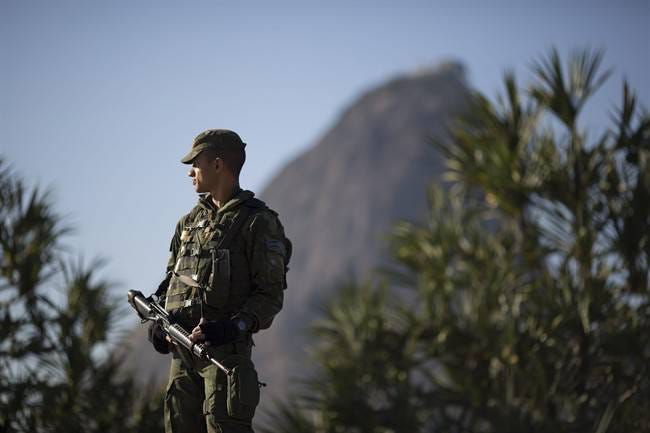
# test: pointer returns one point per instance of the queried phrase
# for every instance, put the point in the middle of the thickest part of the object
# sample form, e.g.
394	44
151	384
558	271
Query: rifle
150	310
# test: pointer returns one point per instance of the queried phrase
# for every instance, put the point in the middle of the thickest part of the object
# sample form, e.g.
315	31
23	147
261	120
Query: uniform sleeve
174	246
267	263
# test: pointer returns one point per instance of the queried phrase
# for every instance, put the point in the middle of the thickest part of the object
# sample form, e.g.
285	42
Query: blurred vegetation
522	305
57	373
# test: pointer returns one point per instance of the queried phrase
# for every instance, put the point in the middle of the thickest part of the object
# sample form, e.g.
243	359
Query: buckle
190	302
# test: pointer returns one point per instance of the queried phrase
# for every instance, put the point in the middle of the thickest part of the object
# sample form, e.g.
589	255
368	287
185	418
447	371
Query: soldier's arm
267	255
174	246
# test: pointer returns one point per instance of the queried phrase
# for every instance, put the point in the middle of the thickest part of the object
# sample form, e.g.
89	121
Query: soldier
234	247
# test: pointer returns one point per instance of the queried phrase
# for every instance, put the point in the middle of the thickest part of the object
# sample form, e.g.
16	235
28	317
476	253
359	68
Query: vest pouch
185	259
218	289
243	388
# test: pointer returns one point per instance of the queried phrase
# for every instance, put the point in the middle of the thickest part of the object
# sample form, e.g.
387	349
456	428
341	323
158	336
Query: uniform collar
238	198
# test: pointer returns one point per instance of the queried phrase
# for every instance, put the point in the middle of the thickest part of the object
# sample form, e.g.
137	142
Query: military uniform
239	254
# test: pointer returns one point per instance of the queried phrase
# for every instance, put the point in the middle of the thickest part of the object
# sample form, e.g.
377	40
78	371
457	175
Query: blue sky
100	100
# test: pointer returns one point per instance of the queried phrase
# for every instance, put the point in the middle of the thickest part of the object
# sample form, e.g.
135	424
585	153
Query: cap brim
187	159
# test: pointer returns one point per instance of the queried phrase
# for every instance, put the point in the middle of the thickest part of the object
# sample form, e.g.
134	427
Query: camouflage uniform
247	276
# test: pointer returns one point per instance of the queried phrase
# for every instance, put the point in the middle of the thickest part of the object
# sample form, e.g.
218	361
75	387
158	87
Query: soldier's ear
218	164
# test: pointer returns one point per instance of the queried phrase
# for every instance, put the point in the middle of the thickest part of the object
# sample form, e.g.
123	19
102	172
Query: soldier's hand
159	339
215	332
197	335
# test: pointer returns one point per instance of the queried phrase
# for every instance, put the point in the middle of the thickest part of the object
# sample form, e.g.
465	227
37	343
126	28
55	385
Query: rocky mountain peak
339	199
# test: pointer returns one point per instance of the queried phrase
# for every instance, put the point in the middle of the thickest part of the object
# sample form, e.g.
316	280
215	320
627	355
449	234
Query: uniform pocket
218	290
243	388
185	261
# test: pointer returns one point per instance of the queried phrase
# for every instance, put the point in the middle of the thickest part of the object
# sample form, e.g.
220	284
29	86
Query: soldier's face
204	173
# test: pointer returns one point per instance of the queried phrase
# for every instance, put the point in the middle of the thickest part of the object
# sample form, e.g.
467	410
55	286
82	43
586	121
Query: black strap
163	286
247	208
235	227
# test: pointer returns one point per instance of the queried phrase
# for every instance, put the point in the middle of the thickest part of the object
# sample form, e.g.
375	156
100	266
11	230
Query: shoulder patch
276	246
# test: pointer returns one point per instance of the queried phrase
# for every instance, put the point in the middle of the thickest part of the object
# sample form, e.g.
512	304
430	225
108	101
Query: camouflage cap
213	139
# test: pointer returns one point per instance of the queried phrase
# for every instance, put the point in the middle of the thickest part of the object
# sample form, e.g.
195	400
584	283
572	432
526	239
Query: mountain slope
340	198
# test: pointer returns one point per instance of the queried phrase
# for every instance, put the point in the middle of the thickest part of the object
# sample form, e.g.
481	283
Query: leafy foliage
56	372
525	299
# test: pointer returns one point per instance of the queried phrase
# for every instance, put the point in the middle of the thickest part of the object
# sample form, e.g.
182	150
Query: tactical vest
209	255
